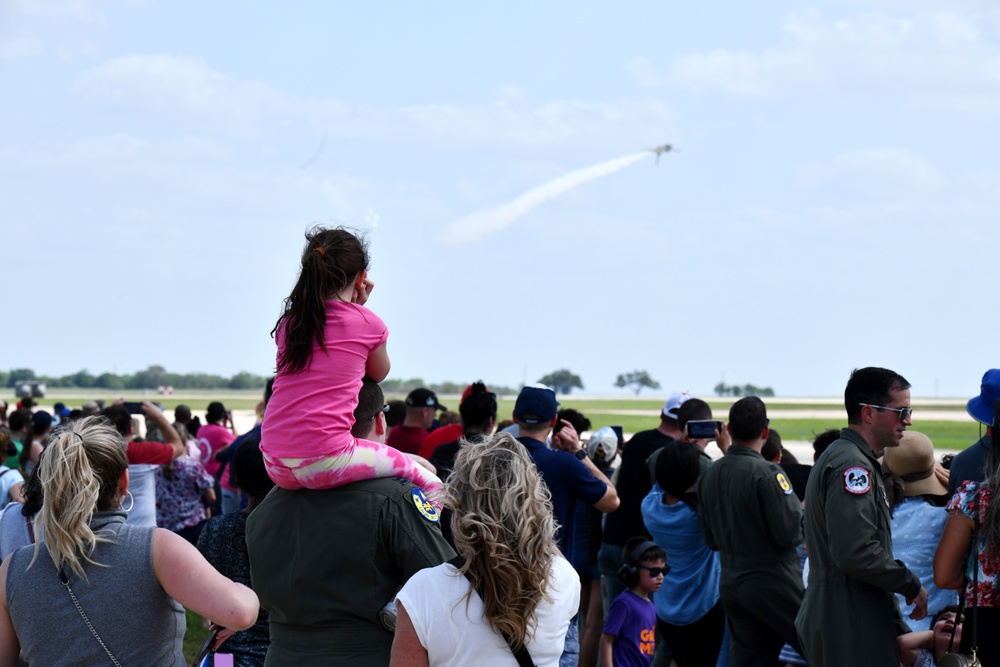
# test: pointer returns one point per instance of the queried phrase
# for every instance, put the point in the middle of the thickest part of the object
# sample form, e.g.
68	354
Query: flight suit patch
786	486
857	480
426	510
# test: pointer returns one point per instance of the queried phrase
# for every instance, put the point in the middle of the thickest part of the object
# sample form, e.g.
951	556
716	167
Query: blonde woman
520	585
95	590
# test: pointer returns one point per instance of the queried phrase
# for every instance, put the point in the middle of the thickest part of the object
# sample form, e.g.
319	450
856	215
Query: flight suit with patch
749	513
324	563
849	615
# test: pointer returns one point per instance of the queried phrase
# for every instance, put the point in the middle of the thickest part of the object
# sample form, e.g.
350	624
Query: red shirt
149	452
439	436
406	439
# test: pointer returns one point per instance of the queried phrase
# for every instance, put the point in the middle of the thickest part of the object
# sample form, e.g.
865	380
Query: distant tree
17	375
637	380
562	381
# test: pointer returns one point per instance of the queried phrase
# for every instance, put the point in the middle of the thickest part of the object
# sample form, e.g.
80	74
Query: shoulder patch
857	480
786	486
426	510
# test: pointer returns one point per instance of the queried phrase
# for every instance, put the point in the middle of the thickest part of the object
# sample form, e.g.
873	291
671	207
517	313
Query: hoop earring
131	504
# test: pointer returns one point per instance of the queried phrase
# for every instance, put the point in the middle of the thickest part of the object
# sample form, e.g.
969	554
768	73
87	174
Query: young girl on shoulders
327	342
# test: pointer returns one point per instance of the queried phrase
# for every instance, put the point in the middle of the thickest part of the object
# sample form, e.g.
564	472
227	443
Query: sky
832	202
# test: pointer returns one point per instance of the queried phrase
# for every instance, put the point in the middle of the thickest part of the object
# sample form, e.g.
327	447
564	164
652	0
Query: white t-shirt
433	595
142	486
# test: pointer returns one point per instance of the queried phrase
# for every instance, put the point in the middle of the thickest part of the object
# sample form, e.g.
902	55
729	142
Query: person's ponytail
79	474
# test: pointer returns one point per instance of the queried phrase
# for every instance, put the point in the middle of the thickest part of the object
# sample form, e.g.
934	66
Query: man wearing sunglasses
749	514
849	614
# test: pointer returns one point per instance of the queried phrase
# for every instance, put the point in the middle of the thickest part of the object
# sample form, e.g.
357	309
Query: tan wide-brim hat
913	462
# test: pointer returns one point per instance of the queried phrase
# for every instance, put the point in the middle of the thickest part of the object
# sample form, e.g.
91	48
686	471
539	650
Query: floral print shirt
178	499
964	500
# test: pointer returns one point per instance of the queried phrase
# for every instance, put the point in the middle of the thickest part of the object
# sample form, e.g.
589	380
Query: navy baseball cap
536	404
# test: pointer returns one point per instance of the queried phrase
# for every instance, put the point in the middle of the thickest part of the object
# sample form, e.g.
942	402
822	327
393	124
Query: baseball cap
673	404
423	398
42	418
603	445
536	404
981	407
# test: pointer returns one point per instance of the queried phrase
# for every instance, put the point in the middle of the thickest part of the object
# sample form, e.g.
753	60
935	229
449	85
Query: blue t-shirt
691	587
632	620
568	481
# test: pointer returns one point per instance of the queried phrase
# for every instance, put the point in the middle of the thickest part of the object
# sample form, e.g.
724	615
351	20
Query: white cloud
893	172
188	92
924	54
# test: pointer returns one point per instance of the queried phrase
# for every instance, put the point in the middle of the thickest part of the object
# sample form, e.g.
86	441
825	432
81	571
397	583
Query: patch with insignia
426	510
857	480
786	486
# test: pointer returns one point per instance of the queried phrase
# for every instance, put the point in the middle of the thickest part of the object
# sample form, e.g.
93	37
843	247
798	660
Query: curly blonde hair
504	527
79	474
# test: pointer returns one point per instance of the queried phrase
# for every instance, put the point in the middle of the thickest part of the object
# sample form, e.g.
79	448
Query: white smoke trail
476	226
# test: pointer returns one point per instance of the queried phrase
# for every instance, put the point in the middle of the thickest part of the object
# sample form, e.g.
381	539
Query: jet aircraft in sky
660	150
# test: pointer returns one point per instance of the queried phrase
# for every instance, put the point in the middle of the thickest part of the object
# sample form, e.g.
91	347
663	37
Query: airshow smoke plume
476	226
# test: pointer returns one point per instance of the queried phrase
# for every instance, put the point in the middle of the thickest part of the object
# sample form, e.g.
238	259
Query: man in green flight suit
748	512
324	563
849	615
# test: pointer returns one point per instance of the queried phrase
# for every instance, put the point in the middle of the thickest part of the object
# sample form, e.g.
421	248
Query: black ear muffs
629	572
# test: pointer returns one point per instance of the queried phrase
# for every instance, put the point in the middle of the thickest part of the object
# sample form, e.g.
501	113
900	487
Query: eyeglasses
904	413
656	571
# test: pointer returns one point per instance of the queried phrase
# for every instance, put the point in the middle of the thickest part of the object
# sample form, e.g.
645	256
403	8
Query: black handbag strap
521	655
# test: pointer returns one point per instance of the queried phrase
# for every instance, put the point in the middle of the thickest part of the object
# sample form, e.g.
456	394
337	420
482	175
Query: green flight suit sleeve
780	508
852	525
415	540
706	488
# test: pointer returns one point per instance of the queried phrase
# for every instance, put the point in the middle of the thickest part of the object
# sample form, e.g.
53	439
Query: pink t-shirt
311	412
213	438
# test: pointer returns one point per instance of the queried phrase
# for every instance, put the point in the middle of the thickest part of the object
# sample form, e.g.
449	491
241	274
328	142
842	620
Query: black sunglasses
656	571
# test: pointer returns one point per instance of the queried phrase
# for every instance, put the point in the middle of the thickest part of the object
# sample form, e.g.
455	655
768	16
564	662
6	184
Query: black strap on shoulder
522	656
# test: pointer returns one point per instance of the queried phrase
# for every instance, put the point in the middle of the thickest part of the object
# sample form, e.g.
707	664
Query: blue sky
833	203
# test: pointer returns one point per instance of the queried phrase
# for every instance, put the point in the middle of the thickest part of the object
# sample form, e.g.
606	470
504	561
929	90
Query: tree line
150	378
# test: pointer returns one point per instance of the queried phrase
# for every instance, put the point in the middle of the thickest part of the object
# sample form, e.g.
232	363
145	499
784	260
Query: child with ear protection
629	630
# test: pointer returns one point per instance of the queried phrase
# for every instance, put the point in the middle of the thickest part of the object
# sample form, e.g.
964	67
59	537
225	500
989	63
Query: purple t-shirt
632	620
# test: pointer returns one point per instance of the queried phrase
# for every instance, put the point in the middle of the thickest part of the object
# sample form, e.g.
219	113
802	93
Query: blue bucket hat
981	407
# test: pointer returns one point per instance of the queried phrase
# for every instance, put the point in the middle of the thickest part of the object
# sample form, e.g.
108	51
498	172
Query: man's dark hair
18	420
370	402
772	447
247	468
477	410
215	412
747	419
119	415
692	409
786	454
182	413
677	469
396	414
574	417
824	440
268	390
870	385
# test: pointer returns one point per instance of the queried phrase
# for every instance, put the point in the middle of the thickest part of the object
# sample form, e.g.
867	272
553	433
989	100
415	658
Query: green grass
194	637
197	399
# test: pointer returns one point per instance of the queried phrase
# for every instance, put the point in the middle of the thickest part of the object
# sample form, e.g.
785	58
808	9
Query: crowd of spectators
621	549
